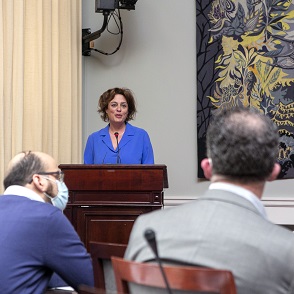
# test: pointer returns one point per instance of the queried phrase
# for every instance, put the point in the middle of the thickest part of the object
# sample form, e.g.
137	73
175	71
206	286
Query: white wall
157	60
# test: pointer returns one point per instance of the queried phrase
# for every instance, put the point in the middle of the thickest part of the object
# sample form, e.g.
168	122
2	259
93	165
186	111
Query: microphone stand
118	157
151	240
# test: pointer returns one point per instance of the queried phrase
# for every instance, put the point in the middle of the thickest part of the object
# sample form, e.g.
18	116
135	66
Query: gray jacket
221	230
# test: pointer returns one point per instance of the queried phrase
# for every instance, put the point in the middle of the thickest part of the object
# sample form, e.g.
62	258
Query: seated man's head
38	172
242	146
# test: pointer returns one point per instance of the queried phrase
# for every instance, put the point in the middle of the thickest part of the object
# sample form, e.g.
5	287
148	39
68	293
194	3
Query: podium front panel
105	200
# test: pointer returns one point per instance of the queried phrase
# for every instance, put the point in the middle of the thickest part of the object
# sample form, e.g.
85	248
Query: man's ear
207	168
40	183
275	173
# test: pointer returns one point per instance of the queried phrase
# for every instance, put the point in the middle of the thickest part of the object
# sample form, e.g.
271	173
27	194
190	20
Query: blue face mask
61	199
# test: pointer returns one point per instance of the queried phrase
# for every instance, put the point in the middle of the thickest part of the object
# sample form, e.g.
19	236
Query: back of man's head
242	144
22	167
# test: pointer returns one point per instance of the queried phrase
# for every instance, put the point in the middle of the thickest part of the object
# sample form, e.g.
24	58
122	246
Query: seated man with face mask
36	239
60	200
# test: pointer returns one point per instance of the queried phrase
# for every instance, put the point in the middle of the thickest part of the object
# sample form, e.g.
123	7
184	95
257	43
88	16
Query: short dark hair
242	144
108	95
21	173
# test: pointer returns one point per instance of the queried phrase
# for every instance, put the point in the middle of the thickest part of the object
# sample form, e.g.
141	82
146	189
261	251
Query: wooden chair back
101	253
84	289
187	278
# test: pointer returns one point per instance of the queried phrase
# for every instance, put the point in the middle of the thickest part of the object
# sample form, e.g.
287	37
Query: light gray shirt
23	191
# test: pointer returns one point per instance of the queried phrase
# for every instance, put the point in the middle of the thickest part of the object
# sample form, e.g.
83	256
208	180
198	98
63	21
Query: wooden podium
105	200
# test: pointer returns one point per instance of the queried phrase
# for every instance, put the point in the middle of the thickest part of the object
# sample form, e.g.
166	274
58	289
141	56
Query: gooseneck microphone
151	240
118	157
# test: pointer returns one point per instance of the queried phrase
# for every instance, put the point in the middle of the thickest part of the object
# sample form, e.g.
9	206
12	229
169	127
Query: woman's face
117	109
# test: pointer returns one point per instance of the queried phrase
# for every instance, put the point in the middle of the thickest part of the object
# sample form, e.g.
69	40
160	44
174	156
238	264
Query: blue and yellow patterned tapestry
245	56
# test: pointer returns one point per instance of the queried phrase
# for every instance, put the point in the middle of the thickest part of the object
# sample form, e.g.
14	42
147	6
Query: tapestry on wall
245	56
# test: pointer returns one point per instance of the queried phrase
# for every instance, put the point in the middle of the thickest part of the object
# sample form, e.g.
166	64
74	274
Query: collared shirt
251	197
23	191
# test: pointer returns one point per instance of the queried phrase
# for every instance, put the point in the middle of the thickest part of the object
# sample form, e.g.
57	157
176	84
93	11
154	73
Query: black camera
108	5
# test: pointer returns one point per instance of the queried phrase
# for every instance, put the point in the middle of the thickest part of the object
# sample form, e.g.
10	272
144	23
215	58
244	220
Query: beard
50	190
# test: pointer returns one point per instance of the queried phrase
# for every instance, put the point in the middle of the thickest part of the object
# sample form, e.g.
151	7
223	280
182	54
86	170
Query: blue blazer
134	147
36	240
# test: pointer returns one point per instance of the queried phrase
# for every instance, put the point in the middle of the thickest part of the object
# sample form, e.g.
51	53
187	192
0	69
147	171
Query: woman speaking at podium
119	142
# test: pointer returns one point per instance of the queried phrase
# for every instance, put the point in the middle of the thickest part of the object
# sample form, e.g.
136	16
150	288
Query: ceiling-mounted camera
104	5
107	7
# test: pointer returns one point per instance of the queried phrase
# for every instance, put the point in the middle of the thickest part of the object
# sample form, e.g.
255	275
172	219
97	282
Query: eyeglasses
60	175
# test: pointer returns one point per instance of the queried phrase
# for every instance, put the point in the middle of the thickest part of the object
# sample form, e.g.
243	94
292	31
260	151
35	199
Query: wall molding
280	210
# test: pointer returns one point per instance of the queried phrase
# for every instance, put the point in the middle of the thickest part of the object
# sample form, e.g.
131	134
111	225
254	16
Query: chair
83	289
101	254
186	278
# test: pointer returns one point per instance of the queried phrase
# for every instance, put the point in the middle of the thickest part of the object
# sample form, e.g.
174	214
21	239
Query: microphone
151	240
118	157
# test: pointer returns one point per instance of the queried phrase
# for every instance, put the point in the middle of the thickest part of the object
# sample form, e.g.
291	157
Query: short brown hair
243	144
108	95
